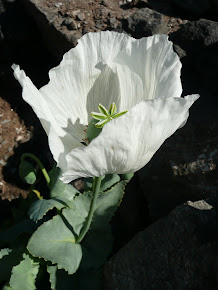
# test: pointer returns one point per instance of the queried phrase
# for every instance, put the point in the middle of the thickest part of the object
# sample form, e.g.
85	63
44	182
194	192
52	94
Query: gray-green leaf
40	207
4	252
55	242
24	274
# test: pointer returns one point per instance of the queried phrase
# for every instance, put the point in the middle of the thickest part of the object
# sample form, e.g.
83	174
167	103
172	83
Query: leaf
127	176
40	207
52	275
24	274
107	182
97	244
55	242
60	189
4	252
107	204
6	287
27	172
8	261
77	217
25	226
60	280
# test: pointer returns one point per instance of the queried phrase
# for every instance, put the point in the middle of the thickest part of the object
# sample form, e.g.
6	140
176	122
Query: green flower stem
47	178
96	189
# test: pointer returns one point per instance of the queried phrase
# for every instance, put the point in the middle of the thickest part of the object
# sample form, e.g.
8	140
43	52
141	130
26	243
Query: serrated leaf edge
53	263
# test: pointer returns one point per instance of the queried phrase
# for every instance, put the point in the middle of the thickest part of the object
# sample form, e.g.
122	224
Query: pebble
4	142
1	139
18	130
6	157
6	121
112	20
58	4
19	138
85	30
2	162
72	24
67	21
81	16
10	149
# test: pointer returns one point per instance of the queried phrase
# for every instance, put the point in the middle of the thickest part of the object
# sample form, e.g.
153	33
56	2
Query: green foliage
60	280
27	172
60	189
6	287
40	207
8	261
108	181
4	252
77	217
55	242
24	274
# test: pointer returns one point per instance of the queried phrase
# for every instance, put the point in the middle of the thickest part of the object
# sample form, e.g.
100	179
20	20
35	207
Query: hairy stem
47	178
96	189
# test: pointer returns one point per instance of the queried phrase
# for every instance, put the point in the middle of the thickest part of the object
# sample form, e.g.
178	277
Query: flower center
100	119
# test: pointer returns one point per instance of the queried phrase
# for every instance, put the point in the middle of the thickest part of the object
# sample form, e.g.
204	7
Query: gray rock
199	39
70	23
176	252
197	34
145	22
81	16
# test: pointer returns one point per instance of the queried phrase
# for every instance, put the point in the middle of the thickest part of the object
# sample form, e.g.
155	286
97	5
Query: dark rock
185	167
81	16
145	22
179	251
85	30
197	34
106	3
55	40
199	39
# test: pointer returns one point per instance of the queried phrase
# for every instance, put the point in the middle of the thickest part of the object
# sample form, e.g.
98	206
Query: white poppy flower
140	76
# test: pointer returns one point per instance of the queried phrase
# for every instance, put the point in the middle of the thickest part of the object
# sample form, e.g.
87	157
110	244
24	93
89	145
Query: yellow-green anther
113	109
101	124
103	110
100	119
98	116
119	114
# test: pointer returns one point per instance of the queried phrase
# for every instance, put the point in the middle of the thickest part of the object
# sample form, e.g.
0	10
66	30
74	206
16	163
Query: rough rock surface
62	23
176	252
184	168
197	34
145	22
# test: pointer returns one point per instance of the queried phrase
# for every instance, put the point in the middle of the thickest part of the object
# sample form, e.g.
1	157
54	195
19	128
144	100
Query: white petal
81	81
128	143
131	88
155	62
47	118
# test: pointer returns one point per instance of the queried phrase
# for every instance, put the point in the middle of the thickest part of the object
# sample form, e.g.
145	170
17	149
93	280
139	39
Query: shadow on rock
177	252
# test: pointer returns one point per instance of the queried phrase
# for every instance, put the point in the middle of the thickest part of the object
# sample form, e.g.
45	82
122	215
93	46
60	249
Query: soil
79	17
